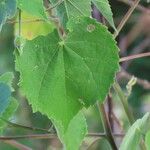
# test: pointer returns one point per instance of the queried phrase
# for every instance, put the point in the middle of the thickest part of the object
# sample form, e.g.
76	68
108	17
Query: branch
139	7
110	111
134	57
19	21
126	17
99	136
52	136
106	126
31	136
105	135
24	127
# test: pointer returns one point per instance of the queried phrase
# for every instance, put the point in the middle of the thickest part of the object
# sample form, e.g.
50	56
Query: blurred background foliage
133	39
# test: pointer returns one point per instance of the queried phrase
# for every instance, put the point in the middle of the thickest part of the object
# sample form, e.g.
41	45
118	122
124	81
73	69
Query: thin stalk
19	21
126	17
31	136
106	126
130	3
134	57
24	127
110	111
104	134
54	136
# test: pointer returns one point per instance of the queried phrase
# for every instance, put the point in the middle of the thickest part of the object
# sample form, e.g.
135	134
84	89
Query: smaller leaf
8	113
5	94
71	9
8	104
5	90
33	7
134	134
7	10
7	79
104	7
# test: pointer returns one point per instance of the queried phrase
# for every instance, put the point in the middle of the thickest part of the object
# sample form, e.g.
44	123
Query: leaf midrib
85	64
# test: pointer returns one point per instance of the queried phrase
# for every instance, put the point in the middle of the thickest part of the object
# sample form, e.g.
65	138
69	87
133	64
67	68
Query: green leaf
8	104
134	134
75	133
105	9
33	7
72	8
68	9
5	94
59	77
7	79
5	90
79	69
147	140
7	10
8	113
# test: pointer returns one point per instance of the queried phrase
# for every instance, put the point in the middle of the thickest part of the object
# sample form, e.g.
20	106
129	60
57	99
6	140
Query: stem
19	22
106	126
31	136
104	134
54	136
134	57
126	17
124	101
139	7
24	127
110	111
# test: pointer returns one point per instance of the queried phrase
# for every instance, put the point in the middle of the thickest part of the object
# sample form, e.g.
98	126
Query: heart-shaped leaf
60	77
